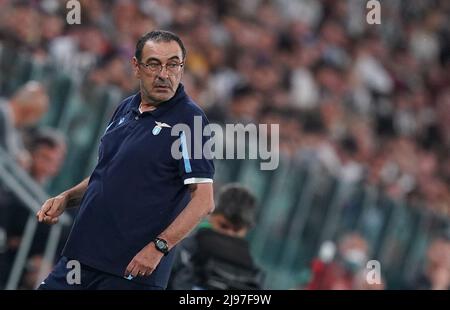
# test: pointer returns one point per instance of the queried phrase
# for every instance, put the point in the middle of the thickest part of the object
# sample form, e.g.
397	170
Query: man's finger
54	207
148	272
143	272
129	268
40	215
47	205
48	219
135	271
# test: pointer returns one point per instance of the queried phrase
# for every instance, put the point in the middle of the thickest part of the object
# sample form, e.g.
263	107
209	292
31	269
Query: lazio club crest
159	125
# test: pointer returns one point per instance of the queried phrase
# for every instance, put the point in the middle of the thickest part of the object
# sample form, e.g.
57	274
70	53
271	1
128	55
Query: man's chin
159	98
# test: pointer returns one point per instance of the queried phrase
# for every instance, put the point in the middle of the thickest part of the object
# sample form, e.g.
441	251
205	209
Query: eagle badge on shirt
159	125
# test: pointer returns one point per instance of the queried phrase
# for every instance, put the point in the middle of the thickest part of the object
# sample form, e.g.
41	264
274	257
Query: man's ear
182	68
135	63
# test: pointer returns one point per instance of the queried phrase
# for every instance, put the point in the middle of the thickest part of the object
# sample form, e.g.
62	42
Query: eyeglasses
171	67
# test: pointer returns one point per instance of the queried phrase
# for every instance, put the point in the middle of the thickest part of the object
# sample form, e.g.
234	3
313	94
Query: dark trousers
90	279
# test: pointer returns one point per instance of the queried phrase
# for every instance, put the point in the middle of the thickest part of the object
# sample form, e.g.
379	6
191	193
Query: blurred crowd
37	150
370	103
346	266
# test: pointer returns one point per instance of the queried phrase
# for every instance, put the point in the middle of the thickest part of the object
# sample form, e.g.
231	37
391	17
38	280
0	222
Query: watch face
161	245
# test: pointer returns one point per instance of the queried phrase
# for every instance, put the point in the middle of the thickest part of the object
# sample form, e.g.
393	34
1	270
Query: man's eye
172	65
153	65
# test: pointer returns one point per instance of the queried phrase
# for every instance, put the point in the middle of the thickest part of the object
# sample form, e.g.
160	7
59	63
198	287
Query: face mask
354	259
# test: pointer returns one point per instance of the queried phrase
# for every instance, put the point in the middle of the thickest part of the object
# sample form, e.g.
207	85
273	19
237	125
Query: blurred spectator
25	108
219	257
47	148
436	273
344	271
244	105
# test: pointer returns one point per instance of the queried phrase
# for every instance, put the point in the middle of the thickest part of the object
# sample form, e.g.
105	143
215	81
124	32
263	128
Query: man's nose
164	73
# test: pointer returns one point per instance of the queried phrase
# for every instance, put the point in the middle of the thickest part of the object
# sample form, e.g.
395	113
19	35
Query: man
218	257
47	149
140	201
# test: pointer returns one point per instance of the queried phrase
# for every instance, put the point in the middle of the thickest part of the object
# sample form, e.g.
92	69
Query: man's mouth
162	87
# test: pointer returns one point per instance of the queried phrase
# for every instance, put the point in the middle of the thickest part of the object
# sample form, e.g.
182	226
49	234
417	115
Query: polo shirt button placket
136	118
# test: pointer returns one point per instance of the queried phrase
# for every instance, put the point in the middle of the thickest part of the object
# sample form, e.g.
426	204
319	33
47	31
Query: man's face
159	71
47	162
221	224
31	113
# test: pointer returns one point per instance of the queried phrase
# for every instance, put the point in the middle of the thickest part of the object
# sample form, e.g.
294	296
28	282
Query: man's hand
145	262
52	209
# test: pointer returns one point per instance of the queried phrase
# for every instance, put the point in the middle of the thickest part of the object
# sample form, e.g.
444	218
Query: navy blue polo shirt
137	188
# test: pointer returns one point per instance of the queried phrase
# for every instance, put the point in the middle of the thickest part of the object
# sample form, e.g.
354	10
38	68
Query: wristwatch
161	245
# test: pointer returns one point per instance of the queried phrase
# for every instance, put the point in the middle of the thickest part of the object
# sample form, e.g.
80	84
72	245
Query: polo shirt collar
180	95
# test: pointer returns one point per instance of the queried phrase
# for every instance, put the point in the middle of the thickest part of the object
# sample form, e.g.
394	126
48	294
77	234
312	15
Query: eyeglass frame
161	67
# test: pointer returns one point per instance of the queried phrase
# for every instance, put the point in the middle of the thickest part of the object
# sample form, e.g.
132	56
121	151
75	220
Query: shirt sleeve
196	164
118	113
